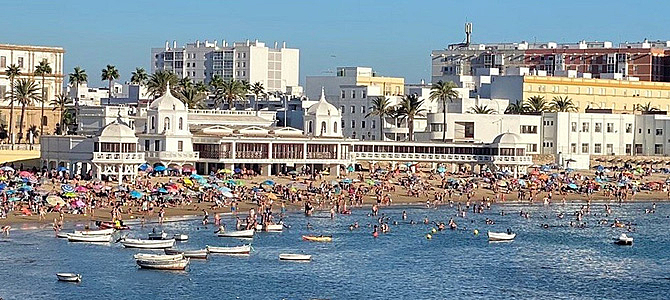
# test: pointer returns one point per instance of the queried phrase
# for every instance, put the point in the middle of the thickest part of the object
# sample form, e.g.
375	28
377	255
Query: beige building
352	76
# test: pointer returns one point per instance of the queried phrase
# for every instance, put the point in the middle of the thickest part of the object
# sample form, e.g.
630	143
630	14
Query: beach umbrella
144	167
346	180
272	196
54	200
26	188
160	168
7	169
81	189
227	194
136	194
70	195
256	190
350	168
196	176
370	182
188	181
61	169
325	172
238	170
162	191
441	170
224	189
3	186
294	172
573	186
67	188
202	181
25	174
269	182
14	199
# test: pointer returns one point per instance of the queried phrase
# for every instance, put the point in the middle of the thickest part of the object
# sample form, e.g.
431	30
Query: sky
393	37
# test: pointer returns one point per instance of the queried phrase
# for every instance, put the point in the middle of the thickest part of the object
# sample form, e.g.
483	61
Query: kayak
318	238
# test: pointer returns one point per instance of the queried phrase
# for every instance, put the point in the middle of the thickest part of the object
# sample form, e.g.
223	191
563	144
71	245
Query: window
598	127
362	109
659	131
342	108
343	94
528	129
3	61
658	149
20	62
629	127
310	129
180	146
324	129
335	127
374	124
597	148
353	94
531	147
181	123
153	122
585	127
610	127
45	121
362	124
573	126
573	148
353	123
157	145
585	148
353	109
629	148
342	125
166	123
609	148
363	96
147	144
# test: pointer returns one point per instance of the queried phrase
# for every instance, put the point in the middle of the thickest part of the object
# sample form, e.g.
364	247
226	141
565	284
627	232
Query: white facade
652	135
323	119
27	58
587	133
277	67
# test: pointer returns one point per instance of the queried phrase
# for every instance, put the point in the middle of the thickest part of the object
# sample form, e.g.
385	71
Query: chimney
215	41
247	42
275	44
197	43
167	45
283	44
174	44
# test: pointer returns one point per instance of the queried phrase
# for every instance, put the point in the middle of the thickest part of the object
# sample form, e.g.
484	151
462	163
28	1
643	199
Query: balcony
172	155
426	157
134	157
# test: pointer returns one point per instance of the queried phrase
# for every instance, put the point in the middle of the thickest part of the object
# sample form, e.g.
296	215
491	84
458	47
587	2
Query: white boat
181	237
270	227
158	235
501	236
239	250
163	264
198	254
624	240
89	238
107	231
63	235
69	277
147	244
149	256
295	257
238	234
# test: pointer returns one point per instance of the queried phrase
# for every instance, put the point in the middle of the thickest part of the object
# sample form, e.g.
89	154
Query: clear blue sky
394	37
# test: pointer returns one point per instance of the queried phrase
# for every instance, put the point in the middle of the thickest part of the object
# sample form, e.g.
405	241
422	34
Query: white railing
439	157
222	112
118	156
173	155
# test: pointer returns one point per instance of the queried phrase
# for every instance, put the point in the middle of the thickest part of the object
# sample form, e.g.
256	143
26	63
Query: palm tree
192	97
26	93
59	103
159	81
481	110
381	107
201	87
232	90
408	109
562	104
42	70
76	78
32	130
515	108
536	104
258	90
67	120
184	83
645	108
442	92
12	72
139	76
110	73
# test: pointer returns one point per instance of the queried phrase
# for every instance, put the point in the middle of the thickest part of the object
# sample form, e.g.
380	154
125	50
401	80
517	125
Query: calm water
556	263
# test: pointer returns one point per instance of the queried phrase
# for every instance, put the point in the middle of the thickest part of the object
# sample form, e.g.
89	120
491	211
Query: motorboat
89	238
158	235
318	238
147	244
181	237
106	225
500	236
163	264
107	231
295	257
270	227
249	233
624	240
69	277
238	250
197	254
150	256
63	235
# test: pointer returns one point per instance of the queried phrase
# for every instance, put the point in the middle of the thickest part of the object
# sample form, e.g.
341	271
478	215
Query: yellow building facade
391	86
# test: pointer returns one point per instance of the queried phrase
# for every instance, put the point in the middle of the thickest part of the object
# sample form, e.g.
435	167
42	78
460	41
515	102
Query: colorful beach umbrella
81	189
7	169
269	182
160	168
25	174
67	188
54	200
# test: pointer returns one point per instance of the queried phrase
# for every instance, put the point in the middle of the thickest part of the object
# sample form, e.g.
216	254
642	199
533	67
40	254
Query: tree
481	110
381	107
159	81
201	87
536	104
32	130
408	109
192	97
231	91
184	83
515	108
645	108
442	92
42	70
59	103
26	93
139	76
67	120
76	78
562	104
258	90
110	73
12	72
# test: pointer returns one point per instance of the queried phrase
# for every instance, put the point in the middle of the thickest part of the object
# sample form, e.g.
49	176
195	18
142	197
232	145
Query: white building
323	119
276	67
27	58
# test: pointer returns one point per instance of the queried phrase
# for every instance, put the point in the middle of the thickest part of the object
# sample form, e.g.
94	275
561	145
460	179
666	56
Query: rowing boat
163	264
500	236
147	244
198	254
239	250
158	235
270	227
89	238
69	277
295	257
624	240
149	256
181	237
318	238
238	234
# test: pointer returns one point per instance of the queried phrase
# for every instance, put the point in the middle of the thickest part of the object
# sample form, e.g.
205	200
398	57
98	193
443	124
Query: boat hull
295	257
238	234
107	231
69	277
163	265
500	237
148	244
239	250
311	238
195	254
89	238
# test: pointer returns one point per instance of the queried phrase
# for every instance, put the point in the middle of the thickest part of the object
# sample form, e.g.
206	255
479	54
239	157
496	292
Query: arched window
335	127
323	128
166	124
309	127
181	123
153	122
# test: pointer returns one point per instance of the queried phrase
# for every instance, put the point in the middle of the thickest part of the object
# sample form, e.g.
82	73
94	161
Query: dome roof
323	108
507	138
167	101
117	129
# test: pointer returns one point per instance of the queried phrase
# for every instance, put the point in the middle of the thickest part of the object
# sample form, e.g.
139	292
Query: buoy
433	230
476	232
428	236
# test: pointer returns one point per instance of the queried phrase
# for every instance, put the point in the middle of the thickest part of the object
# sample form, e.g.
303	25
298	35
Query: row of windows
598	127
548	123
598	91
353	109
597	148
157	146
528	129
166	123
3	62
370	136
363	124
353	94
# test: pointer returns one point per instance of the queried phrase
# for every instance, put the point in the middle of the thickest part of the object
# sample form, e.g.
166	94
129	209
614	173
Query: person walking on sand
161	215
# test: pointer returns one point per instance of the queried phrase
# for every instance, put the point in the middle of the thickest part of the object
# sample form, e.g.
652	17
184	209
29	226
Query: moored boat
180	237
270	227
318	238
69	277
197	254
158	235
150	256
89	238
107	231
163	264
238	234
63	235
106	225
147	244
500	236
238	250
624	240
295	257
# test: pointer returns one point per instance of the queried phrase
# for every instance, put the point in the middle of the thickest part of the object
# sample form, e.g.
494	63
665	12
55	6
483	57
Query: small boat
197	254
500	236
69	277
295	257
89	238
624	240
270	227
163	264
158	235
63	235
318	238
239	250
147	244
107	231
149	256
180	237
106	225
238	234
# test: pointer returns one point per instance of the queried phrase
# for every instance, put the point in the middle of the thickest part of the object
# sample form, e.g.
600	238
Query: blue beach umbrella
160	168
224	189
144	167
573	186
162	191
196	176
136	194
268	182
441	170
238	170
61	169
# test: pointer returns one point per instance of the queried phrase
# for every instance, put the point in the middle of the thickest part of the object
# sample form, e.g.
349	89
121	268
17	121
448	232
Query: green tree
59	103
110	73
481	110
192	97
184	83
231	91
536	104
408	109
443	92
258	90
12	72
562	104
139	76
381	107
515	108
43	69
646	108
26	92
201	87
77	77
159	81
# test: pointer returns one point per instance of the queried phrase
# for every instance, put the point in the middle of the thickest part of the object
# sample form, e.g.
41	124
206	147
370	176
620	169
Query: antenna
468	32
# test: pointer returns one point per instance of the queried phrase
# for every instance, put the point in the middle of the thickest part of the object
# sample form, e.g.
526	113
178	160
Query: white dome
323	108
507	138
167	102
117	130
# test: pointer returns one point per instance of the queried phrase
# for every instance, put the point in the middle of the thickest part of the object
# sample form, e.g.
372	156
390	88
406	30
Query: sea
556	261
